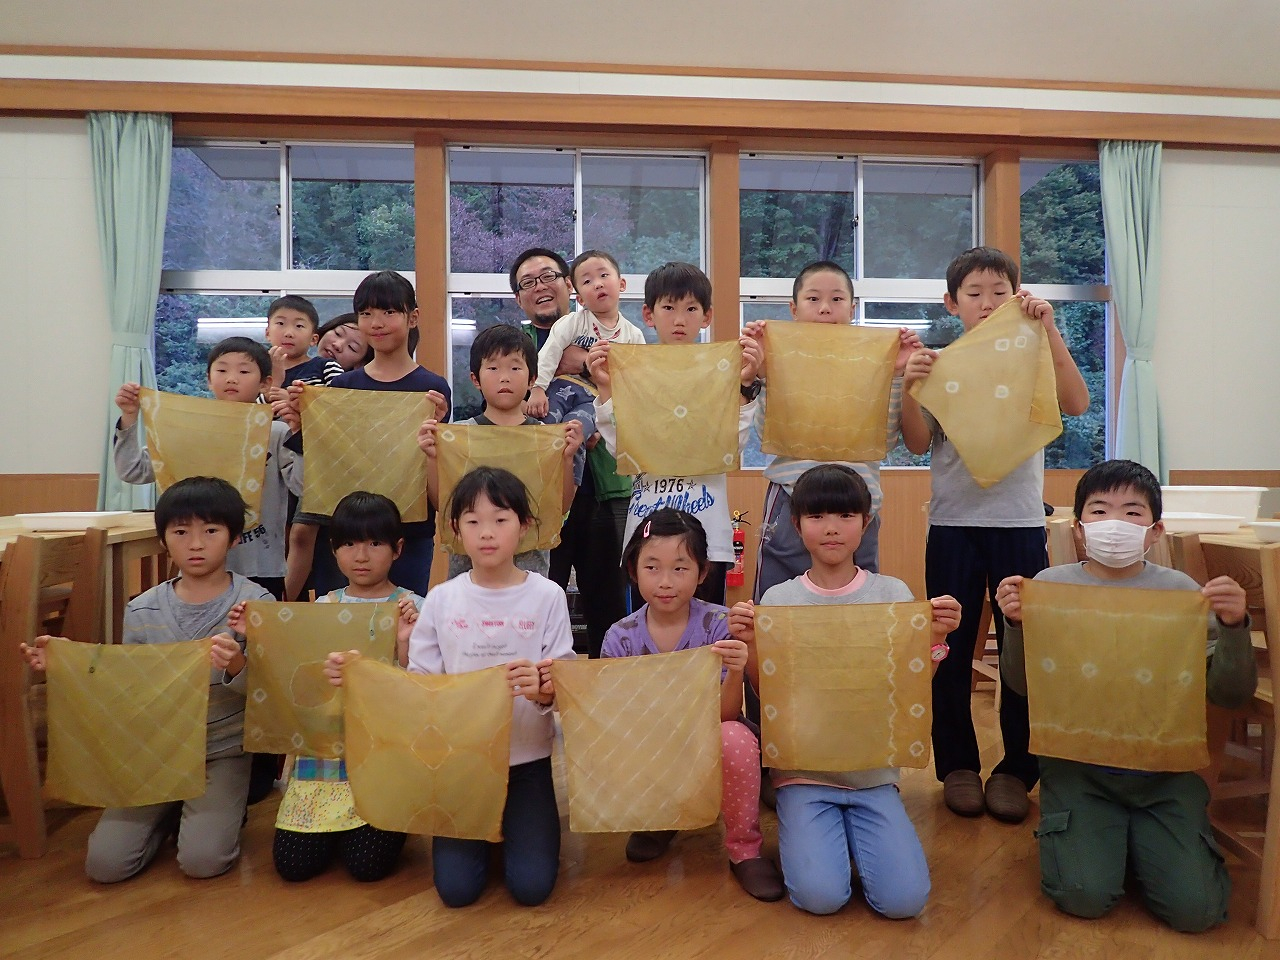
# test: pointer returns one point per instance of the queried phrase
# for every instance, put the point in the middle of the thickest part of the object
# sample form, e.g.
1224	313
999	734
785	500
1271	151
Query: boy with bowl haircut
1092	818
598	283
197	519
292	330
502	358
978	537
239	369
677	304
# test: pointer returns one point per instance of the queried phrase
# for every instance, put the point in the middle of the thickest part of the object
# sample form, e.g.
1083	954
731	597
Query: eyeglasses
548	278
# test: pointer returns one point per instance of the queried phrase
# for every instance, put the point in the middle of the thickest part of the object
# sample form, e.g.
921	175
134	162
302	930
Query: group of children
819	546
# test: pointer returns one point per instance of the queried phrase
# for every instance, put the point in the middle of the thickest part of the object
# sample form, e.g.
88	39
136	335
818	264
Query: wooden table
133	539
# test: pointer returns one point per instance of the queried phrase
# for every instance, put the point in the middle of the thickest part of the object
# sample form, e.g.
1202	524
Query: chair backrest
32	565
1061	541
1256	567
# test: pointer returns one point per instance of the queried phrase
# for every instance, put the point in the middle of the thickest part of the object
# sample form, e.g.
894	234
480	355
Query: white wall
1217	356
56	334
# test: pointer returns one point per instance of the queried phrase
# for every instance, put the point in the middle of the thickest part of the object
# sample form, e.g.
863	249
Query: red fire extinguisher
735	576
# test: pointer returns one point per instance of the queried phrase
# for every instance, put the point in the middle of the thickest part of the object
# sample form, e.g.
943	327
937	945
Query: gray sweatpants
126	839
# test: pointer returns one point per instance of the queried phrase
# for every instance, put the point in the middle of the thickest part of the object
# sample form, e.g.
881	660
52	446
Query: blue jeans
530	845
824	831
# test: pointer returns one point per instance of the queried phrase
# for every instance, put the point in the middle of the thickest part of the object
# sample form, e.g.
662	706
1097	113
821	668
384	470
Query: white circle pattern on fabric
259	418
1185	678
771	749
1002	344
557	443
919	621
916	749
255	618
764	622
917	710
259	650
344	616
916	665
448	435
952	386
1047	665
723	365
256	451
251	485
259	695
385	623
1002	392
771	711
1143	676
284	614
1020	341
681	411
1090	670
768	667
297	741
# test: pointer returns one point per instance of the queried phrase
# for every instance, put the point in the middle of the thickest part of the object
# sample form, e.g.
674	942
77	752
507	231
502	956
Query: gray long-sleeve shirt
159	616
260	552
1232	670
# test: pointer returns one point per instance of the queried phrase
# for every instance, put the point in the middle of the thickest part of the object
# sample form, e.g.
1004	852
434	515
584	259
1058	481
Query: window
893	224
249	222
1063	255
643	208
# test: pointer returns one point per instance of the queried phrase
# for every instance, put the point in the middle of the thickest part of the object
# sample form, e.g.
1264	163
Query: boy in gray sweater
1093	819
239	370
198	519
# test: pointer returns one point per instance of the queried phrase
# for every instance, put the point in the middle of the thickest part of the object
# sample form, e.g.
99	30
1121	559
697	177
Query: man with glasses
591	538
540	281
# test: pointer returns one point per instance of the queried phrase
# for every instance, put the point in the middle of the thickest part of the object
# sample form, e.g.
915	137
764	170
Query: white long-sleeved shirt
465	627
580	324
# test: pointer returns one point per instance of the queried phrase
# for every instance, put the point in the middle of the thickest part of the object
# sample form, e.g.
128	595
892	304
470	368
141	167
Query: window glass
1062	239
644	210
795	211
223	212
918	216
352	207
502	202
188	324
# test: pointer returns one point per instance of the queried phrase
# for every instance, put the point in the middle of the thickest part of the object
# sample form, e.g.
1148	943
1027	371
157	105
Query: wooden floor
986	903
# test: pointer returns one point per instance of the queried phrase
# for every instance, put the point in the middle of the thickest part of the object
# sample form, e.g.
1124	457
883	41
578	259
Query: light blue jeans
823	832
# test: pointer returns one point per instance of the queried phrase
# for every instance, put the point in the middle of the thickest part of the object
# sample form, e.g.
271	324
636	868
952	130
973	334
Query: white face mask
1114	543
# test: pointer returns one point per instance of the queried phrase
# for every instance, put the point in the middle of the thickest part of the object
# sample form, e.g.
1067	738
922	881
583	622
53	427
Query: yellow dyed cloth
676	406
535	454
994	393
290	705
1116	677
641	740
364	440
196	437
127	724
845	686
429	753
828	391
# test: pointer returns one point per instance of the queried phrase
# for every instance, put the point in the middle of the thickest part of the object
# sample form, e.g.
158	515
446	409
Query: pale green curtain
1130	173
131	159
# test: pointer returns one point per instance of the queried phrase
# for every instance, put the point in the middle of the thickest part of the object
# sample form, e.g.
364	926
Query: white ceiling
1212	43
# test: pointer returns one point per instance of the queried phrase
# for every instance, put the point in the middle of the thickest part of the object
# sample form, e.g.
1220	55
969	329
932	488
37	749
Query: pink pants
740	801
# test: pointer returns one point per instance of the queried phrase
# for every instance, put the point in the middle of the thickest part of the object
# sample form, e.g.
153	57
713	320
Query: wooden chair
1256	567
32	567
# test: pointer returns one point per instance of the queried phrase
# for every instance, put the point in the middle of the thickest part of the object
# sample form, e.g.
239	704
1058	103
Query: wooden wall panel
47	492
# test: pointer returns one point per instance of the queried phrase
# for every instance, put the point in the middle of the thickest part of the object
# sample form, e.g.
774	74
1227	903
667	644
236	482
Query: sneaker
962	793
760	878
1007	799
648	845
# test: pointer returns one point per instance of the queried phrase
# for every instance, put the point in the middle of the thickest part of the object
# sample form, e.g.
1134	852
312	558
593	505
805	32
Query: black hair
351	320
977	259
363	516
292	301
503	340
820	266
529	255
668	522
255	351
586	255
385	290
501	487
205	499
675	281
1112	475
829	488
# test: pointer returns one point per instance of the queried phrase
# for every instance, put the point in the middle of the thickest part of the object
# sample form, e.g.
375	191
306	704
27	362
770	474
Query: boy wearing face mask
1094	818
